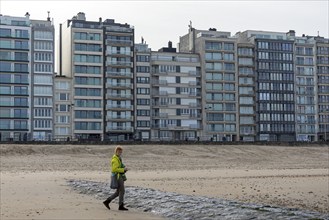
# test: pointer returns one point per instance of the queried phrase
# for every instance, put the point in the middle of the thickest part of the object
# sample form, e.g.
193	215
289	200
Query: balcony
159	82
161	93
119	129
119	85
119	42
119	74
119	53
119	107
119	118
120	63
118	96
160	115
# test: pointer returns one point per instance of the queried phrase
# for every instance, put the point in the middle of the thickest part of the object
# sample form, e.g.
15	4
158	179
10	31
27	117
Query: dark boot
122	208
106	203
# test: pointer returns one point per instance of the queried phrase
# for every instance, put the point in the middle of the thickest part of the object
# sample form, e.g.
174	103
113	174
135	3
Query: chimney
27	15
100	20
291	33
48	18
169	44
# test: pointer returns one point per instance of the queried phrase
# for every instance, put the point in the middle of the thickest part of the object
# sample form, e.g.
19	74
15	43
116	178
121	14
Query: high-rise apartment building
176	95
42	79
63	126
142	102
15	78
253	86
119	90
305	89
218	57
275	100
322	70
246	91
99	58
168	94
26	80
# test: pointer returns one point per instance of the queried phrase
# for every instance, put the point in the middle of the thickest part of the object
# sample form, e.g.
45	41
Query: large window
87	81
22	33
88	126
43	90
87	69
41	79
5	66
87	92
87	36
213	46
5	32
88	114
87	58
87	47
88	103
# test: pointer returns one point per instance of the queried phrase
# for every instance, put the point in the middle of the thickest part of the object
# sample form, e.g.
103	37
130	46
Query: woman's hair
118	148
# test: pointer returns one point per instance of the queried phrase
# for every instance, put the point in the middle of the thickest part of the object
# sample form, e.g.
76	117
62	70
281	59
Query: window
143	79
142	112
62	85
228	46
145	91
87	47
87	36
143	123
43	35
143	58
88	114
143	69
5	32
42	79
143	102
213	45
87	69
43	90
87	58
62	108
213	56
63	96
5	66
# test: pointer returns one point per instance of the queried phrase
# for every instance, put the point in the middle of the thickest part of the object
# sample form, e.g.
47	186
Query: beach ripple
177	206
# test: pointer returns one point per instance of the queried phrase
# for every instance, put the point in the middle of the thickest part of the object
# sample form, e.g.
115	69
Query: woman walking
118	171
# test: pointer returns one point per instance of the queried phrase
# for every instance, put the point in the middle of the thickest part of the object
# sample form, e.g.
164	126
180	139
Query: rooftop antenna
190	26
48	18
318	33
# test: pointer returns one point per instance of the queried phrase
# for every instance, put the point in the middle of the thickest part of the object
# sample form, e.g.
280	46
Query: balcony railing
114	106
119	117
115	95
119	74
114	84
119	129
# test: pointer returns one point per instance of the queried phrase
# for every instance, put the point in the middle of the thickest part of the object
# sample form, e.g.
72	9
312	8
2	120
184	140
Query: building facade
219	81
42	79
253	86
98	56
15	78
26	80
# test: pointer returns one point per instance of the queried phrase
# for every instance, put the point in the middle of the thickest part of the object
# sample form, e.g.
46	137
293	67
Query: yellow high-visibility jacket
117	166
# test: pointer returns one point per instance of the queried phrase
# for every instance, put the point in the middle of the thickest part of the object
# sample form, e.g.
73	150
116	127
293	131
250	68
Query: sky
161	21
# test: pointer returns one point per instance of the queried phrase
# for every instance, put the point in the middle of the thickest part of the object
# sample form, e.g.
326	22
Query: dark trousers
119	192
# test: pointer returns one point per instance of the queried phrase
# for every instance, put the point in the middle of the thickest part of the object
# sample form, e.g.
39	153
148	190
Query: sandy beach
34	177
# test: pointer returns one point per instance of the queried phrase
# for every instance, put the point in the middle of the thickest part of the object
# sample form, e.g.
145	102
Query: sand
33	177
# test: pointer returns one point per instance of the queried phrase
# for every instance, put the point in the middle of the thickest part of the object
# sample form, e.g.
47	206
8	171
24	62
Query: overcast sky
162	21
